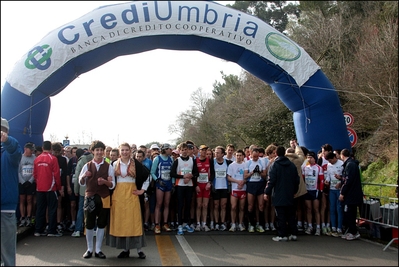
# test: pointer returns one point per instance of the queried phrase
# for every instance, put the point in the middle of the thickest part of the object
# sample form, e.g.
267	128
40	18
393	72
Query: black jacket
283	182
351	184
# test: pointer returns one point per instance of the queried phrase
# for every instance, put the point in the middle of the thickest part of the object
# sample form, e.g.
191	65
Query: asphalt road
211	249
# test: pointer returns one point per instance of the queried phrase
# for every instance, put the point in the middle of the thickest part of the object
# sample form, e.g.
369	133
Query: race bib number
203	178
334	183
184	171
27	171
165	175
310	181
220	174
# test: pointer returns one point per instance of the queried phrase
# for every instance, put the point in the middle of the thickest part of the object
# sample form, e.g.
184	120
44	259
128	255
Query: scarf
131	168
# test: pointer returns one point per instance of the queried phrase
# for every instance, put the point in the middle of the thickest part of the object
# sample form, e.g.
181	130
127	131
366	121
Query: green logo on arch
281	47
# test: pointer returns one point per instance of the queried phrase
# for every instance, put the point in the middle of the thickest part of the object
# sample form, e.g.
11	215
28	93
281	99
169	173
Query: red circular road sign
348	119
352	136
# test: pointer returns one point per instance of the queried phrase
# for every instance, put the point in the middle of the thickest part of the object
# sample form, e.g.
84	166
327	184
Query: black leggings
184	198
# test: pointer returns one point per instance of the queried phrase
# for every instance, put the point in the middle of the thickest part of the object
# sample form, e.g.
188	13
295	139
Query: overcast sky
150	87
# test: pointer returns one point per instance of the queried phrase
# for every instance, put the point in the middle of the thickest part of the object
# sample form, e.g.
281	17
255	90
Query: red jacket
46	172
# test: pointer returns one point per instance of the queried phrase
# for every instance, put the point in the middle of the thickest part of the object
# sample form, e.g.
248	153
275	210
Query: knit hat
4	123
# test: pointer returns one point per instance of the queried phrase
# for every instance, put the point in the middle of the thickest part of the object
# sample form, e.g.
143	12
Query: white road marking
192	257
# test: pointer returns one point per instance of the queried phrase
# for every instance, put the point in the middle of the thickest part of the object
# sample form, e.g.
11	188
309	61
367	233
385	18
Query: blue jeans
336	209
8	238
80	215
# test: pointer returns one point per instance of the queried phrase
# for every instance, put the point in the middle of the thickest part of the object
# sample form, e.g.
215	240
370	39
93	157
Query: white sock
138	250
99	239
323	225
89	239
299	223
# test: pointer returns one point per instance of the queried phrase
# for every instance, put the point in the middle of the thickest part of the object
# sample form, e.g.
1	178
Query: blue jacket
11	153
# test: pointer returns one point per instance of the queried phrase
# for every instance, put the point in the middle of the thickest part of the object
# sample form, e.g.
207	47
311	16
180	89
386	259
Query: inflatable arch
133	27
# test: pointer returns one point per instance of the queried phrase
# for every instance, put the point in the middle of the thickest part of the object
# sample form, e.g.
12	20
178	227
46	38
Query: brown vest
92	186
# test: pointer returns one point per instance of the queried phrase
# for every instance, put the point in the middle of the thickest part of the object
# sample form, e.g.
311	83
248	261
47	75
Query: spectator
11	153
83	158
351	194
282	186
296	156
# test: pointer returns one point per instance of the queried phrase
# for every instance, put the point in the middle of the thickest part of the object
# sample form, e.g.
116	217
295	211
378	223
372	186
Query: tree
355	43
275	13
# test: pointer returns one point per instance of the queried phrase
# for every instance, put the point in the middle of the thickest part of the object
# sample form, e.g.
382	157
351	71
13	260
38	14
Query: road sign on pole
65	142
348	119
352	136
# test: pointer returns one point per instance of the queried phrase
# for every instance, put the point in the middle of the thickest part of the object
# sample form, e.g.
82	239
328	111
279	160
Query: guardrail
380	207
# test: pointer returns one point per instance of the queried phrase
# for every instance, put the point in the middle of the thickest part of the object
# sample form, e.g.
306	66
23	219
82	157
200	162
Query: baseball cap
30	145
177	152
166	146
154	146
4	123
203	147
190	146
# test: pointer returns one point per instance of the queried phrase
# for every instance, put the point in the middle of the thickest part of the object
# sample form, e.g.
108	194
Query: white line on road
192	257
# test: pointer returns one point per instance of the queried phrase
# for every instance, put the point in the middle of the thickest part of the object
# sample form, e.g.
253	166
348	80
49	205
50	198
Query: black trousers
350	212
286	215
99	213
46	200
